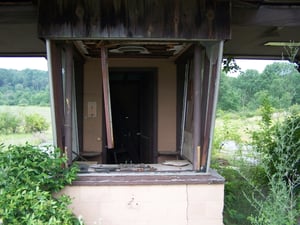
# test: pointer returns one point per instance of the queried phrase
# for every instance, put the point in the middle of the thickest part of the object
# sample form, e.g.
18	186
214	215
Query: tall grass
252	194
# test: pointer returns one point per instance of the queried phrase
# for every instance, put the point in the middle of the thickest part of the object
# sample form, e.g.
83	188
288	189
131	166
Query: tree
32	85
228	96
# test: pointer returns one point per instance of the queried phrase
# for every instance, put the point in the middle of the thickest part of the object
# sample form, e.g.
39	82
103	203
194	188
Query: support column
197	85
211	77
68	102
216	58
56	92
106	96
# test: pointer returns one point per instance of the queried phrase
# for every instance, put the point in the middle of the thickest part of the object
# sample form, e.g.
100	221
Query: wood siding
168	19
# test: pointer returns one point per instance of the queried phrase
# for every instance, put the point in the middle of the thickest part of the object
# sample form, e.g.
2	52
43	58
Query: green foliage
35	123
236	206
279	81
28	179
228	97
230	65
265	190
9	123
279	147
26	87
266	112
276	207
226	131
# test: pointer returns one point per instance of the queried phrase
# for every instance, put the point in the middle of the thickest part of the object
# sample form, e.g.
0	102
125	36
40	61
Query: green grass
32	138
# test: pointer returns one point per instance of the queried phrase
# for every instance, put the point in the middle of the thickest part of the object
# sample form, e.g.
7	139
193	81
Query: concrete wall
92	133
180	204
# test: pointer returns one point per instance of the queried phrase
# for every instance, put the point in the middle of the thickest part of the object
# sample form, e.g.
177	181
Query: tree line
279	82
25	87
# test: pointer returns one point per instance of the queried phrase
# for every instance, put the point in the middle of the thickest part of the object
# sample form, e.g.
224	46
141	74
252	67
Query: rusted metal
168	19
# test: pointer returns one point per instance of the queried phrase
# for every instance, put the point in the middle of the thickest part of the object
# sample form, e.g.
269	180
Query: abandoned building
134	87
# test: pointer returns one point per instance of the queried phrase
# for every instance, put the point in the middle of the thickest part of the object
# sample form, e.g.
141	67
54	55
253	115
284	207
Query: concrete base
148	204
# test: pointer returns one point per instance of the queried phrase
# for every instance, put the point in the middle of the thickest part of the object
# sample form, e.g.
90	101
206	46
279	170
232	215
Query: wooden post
106	96
196	115
56	93
68	102
216	70
213	69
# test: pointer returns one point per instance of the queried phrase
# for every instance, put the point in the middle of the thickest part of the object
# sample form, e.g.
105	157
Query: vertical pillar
197	83
106	96
212	69
68	102
204	112
216	57
56	93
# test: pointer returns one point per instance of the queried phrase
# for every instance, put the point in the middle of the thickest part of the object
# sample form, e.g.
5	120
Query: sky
40	63
258	65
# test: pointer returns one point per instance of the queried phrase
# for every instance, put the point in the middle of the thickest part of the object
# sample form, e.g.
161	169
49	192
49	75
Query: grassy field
33	138
228	126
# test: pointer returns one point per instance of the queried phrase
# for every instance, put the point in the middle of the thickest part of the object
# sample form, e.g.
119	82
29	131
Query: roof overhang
253	24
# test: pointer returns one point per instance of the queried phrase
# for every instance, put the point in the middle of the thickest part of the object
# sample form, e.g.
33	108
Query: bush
278	146
35	123
28	179
236	206
9	123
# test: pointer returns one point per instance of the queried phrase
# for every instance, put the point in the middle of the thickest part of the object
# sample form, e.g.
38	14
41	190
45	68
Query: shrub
236	206
28	179
279	147
9	123
35	123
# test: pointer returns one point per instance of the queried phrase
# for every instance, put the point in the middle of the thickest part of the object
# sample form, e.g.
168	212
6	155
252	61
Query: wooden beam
68	101
168	19
216	71
213	65
106	96
56	93
204	111
197	95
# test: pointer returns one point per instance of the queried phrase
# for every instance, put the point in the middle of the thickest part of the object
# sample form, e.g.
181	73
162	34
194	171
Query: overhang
253	23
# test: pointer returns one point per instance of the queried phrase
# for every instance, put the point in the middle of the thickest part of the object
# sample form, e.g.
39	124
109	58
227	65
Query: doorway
133	107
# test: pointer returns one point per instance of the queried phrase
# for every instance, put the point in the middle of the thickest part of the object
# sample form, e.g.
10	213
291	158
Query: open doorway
134	109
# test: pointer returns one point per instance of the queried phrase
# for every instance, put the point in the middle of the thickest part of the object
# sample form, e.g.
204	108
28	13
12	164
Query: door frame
154	83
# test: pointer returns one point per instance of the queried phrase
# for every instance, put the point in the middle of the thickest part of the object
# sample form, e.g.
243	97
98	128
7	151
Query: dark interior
133	109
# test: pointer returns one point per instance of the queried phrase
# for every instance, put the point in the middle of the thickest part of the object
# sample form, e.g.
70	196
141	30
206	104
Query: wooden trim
106	96
143	178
